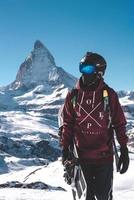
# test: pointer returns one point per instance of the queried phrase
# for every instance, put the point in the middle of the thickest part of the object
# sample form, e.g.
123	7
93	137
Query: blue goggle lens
87	69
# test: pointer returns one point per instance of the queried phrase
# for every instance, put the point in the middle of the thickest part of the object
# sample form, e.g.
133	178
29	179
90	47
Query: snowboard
79	185
78	182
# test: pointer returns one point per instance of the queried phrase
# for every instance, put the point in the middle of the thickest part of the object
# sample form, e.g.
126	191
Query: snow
22	126
127	101
124	184
24	194
41	99
53	176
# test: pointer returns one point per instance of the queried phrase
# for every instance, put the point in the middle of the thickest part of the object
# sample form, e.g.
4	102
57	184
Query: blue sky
69	28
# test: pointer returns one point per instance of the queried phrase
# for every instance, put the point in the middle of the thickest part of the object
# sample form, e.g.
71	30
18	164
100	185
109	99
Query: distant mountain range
29	108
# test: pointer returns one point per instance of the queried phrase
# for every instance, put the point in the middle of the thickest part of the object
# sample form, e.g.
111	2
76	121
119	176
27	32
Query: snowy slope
52	175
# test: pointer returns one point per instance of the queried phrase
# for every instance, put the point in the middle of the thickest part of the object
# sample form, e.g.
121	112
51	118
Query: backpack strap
106	100
107	106
74	94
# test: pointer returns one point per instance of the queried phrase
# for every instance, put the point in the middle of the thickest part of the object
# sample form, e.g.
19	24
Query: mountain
29	108
39	68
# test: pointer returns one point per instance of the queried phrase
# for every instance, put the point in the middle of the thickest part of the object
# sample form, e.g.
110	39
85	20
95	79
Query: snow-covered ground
28	194
52	175
124	184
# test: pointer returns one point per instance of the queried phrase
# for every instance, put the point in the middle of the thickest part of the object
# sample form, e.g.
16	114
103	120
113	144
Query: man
90	125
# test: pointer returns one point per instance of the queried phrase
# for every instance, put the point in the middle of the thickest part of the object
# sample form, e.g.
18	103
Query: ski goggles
87	69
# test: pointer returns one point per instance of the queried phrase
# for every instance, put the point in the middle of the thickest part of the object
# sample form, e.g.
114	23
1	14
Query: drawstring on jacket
82	98
93	99
81	101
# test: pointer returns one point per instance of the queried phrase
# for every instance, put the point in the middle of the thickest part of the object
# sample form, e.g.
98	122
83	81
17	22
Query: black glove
123	160
68	171
68	166
69	162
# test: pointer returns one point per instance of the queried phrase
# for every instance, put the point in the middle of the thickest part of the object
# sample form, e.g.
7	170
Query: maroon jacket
87	123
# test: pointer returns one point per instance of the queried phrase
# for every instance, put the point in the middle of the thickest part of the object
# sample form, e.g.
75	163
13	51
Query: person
87	124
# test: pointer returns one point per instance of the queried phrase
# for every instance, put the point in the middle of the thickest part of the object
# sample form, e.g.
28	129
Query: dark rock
32	185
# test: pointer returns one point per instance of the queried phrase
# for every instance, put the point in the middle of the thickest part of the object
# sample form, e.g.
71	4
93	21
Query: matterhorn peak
39	68
40	52
38	44
36	68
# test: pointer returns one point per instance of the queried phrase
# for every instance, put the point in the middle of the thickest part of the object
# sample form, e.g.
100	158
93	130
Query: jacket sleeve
118	120
68	122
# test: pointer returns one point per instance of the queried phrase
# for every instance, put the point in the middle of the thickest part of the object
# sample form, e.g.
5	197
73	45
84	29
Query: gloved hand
68	171
69	163
123	160
68	166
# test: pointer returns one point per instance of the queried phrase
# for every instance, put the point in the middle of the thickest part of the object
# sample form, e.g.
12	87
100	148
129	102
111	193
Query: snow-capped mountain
29	108
39	68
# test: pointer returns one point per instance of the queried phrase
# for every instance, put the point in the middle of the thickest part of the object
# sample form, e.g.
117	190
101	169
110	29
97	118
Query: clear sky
69	28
